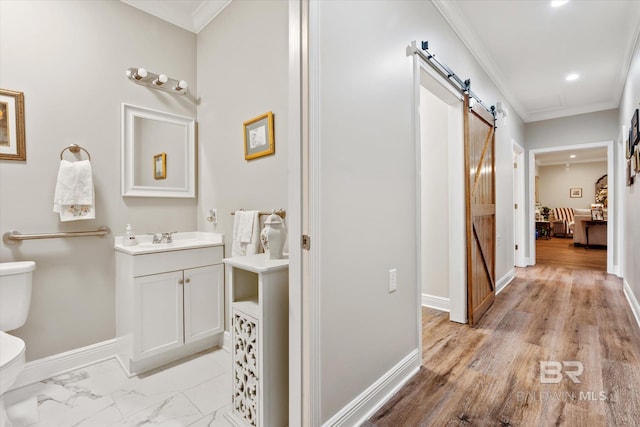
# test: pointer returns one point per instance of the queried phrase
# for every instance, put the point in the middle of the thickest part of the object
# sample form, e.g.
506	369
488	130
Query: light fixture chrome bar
14	237
446	72
156	81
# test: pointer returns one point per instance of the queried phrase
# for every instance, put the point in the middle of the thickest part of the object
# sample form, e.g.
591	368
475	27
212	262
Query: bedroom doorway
441	203
566	178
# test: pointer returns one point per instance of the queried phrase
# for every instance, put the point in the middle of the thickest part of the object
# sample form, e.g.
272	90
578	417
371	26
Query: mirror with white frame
158	153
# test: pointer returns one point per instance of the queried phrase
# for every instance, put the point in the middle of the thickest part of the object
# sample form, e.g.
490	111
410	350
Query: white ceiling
192	15
585	155
528	47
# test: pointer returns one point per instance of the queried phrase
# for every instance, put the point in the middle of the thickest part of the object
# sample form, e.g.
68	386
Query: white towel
74	197
246	233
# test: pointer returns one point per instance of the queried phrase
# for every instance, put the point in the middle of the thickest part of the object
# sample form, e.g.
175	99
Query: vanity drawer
160	262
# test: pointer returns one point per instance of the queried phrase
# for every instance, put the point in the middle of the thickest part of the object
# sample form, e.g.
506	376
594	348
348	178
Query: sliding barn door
479	138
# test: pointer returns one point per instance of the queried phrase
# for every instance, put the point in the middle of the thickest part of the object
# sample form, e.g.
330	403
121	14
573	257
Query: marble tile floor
192	392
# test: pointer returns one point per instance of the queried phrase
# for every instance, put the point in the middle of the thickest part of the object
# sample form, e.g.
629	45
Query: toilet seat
12	359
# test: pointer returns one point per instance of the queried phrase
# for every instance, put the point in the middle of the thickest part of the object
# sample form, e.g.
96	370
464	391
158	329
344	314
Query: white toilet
15	297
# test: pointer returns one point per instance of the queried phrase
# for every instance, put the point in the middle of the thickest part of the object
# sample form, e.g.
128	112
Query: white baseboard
47	367
505	280
438	303
633	301
372	399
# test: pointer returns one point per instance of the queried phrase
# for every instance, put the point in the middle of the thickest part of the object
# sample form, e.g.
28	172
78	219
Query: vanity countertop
181	241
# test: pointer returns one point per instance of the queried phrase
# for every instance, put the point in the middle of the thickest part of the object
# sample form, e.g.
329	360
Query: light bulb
140	74
181	85
162	79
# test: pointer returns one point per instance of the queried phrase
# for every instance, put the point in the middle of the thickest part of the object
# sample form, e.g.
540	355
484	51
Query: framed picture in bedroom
12	140
575	193
259	136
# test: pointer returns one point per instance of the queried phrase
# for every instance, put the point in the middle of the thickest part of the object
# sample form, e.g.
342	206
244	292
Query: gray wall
630	101
69	58
367	197
434	138
556	180
242	73
592	127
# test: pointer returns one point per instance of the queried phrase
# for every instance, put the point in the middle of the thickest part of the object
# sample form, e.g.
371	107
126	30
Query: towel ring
74	148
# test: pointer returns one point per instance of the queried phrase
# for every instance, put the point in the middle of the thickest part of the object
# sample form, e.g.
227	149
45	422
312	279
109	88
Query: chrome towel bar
14	237
280	212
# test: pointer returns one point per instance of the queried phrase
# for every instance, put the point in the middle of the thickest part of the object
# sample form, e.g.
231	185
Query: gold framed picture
259	136
12	140
160	166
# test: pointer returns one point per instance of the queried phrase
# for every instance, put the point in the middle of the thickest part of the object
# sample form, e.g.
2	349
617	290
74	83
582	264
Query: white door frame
519	199
300	397
457	221
612	200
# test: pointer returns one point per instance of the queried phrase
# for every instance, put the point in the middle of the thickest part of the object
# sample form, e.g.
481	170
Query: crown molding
178	14
207	12
452	14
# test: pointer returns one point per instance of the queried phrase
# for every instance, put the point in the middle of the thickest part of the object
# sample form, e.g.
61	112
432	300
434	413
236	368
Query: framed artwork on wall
12	140
575	193
160	166
259	136
634	136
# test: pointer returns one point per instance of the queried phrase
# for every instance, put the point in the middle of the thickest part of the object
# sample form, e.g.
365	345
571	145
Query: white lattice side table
259	297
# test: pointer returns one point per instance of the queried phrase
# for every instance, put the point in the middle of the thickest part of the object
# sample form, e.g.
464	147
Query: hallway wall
367	175
630	102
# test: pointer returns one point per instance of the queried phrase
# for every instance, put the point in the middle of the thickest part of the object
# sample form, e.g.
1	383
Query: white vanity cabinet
177	308
169	304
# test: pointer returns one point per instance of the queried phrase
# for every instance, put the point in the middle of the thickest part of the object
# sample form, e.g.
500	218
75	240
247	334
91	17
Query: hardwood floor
560	252
490	375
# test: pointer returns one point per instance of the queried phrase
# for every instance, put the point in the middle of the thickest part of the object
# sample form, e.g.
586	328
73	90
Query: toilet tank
15	293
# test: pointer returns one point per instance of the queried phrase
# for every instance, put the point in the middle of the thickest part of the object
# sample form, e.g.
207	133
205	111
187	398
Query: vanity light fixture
157	81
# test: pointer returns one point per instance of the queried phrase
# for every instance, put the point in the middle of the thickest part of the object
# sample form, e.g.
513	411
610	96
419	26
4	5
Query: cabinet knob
187	280
180	282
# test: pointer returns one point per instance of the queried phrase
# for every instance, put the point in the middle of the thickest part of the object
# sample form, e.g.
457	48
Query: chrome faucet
168	237
163	237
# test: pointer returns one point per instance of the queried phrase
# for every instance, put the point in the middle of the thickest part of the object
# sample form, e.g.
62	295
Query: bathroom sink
181	241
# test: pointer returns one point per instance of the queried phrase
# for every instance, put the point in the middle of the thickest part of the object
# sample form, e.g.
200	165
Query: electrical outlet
393	280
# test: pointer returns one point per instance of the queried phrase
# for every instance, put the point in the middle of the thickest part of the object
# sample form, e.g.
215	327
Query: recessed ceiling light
571	77
558	3
573	156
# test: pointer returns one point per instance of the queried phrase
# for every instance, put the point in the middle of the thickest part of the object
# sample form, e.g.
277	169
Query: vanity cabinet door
158	316
203	302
